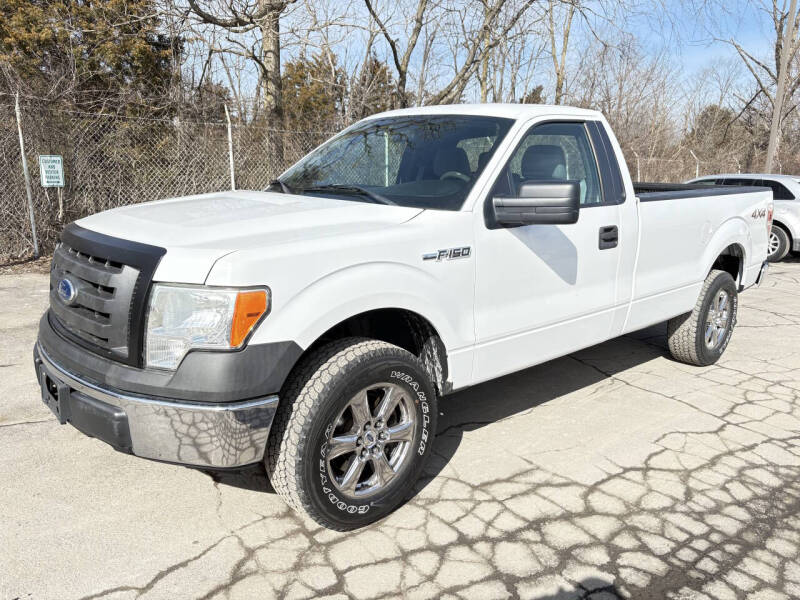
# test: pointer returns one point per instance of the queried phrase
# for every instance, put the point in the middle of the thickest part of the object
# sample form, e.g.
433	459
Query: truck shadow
494	401
704	506
499	399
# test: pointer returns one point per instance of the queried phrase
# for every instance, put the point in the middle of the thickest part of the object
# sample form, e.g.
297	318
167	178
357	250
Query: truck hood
198	230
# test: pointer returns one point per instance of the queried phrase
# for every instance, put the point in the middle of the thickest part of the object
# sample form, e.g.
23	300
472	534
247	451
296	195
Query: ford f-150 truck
314	325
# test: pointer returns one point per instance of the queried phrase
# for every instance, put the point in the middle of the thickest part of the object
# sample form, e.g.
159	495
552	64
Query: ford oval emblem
67	291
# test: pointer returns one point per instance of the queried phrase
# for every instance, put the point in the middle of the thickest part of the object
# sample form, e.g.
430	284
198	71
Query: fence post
638	170
230	148
696	162
27	177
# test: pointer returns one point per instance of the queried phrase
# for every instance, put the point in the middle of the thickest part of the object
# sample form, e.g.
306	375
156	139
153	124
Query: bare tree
252	31
776	78
498	18
559	19
786	48
472	28
506	72
402	58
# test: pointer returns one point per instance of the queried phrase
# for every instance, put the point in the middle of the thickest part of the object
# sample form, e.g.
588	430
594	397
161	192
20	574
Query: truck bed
651	192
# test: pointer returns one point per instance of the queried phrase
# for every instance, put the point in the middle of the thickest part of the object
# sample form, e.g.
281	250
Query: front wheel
354	427
701	336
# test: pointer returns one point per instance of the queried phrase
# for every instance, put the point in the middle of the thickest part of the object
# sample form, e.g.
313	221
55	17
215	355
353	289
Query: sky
693	37
690	37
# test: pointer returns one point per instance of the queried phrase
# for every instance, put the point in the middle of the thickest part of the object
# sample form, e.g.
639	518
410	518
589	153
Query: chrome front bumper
222	435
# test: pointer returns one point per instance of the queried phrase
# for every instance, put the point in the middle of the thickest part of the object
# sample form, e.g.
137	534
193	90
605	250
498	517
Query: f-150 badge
449	254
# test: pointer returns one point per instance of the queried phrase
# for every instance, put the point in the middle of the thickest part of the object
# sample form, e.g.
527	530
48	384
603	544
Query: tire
687	334
322	412
779	244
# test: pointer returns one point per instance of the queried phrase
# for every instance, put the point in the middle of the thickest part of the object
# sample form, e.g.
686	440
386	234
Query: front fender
311	311
350	291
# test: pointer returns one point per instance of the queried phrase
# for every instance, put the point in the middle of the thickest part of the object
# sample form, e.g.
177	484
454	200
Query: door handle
609	237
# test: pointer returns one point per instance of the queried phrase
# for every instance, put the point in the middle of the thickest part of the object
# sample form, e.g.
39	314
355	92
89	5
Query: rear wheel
354	428
779	244
701	336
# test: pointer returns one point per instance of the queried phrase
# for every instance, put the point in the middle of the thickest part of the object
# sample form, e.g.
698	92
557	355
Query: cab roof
508	111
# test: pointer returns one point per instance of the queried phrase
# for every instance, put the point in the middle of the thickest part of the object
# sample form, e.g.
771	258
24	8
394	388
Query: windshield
418	161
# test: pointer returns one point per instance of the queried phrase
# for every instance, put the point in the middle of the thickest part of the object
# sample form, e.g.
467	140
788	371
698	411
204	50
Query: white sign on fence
51	168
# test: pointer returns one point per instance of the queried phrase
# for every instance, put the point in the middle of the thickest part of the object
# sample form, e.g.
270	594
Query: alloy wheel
369	442
717	320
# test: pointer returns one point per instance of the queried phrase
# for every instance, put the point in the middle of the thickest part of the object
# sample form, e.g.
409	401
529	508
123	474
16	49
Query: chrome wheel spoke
717	320
403	432
391	398
710	333
722	302
341	444
360	407
383	470
350	479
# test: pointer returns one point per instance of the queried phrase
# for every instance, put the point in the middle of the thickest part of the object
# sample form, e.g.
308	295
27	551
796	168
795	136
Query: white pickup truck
314	325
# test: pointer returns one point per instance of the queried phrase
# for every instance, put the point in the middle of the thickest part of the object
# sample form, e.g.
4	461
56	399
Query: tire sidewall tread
311	398
685	333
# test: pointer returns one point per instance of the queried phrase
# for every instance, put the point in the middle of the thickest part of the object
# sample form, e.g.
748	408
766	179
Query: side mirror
540	203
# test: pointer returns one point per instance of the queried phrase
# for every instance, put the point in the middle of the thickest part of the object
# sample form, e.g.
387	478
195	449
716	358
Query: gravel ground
614	472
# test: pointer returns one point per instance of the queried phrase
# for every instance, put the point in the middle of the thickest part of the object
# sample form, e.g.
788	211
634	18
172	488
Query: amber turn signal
249	308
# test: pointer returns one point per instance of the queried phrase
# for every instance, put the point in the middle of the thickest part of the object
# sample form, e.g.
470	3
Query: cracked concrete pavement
614	472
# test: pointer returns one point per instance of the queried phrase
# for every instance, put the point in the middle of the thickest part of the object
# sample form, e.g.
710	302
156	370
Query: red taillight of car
770	209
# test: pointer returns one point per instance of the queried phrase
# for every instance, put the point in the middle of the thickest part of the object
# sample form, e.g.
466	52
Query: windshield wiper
284	188
351	190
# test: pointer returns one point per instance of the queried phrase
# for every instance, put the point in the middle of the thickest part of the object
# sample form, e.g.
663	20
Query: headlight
182	318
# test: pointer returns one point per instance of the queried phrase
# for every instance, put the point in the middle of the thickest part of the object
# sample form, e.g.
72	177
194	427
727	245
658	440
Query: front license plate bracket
55	395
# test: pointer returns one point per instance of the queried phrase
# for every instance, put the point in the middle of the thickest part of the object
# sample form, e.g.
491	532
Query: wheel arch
728	249
731	260
399	326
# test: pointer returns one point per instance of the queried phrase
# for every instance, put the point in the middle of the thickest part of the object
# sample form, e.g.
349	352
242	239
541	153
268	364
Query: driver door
543	291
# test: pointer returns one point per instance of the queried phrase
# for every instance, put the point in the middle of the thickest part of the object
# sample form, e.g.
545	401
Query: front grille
99	313
109	278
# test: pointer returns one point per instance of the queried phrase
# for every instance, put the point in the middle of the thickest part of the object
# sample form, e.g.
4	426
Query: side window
779	191
552	151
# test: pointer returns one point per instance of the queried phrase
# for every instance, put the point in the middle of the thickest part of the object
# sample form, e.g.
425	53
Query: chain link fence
111	161
678	169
